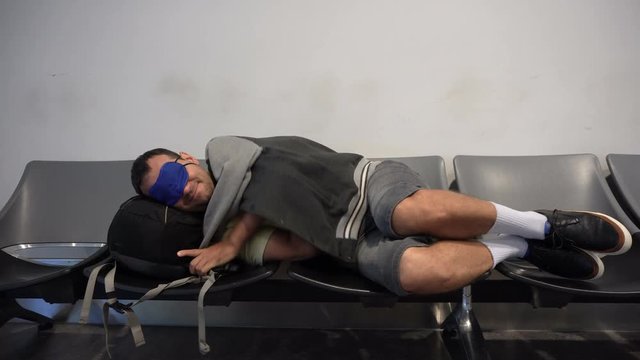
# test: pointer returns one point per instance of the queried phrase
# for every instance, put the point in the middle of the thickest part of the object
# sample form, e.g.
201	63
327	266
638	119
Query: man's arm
226	249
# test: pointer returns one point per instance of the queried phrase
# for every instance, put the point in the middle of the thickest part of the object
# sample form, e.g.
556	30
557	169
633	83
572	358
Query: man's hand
224	251
208	258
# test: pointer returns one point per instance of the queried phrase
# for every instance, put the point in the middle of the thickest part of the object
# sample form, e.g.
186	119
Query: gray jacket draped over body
292	182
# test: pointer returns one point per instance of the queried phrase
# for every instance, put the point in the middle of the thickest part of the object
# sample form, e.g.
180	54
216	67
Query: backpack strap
88	292
112	302
162	287
202	336
132	319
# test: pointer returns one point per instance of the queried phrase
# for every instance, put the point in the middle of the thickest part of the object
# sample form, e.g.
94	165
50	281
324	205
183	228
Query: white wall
104	80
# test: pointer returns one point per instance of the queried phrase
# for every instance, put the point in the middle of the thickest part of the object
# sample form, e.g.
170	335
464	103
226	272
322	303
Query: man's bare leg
449	215
443	214
443	266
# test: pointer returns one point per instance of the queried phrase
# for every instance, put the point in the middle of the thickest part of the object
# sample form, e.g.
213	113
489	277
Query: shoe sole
621	230
597	260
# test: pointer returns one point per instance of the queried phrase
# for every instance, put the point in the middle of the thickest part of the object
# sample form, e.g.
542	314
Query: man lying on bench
285	198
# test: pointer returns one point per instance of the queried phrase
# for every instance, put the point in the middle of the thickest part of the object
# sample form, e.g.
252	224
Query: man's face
198	188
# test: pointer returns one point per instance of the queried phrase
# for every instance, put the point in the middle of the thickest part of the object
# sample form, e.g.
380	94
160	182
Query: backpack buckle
120	307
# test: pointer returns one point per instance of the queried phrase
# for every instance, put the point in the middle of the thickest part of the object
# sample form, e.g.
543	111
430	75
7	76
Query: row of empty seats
63	208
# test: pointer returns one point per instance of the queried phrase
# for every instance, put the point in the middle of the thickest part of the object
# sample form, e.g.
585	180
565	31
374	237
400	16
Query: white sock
504	247
526	224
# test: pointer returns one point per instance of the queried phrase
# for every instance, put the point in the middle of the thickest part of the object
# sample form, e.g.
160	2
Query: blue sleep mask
170	184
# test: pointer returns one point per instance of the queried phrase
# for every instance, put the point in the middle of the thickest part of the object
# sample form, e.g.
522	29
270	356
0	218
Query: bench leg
461	332
9	309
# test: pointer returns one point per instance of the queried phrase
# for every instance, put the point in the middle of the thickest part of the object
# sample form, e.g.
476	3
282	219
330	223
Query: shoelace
558	240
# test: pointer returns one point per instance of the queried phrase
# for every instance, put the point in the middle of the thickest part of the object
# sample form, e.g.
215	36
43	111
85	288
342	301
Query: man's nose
187	188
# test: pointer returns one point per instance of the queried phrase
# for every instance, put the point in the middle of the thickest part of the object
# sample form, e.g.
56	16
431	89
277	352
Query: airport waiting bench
625	182
67	207
53	226
571	182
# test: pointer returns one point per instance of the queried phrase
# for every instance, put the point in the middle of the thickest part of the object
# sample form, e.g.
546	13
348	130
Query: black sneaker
569	261
587	230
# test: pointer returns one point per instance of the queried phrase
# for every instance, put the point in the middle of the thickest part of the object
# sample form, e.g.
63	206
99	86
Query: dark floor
69	341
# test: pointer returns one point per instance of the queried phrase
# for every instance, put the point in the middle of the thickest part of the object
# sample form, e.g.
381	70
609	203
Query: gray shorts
380	248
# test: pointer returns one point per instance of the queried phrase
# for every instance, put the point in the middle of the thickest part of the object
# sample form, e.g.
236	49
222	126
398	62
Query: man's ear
189	157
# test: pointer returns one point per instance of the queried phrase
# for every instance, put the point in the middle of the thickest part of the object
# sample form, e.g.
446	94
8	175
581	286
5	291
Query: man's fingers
189	252
198	266
193	267
203	259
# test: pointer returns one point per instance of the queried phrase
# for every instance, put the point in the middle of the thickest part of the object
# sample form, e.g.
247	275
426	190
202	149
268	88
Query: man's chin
192	208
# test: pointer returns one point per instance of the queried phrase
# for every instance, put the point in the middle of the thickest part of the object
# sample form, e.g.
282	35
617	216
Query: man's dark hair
140	168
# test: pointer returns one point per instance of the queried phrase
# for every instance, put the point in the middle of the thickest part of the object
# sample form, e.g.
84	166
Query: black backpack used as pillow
145	236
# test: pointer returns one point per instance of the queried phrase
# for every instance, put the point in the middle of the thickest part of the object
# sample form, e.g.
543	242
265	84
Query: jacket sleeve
230	160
